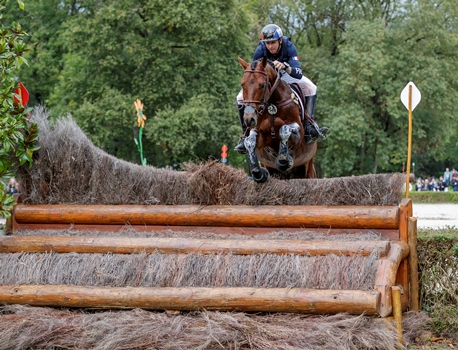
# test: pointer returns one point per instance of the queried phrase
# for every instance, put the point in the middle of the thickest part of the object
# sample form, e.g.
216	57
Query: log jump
396	265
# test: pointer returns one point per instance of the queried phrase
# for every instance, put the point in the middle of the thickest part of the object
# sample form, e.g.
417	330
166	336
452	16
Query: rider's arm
293	61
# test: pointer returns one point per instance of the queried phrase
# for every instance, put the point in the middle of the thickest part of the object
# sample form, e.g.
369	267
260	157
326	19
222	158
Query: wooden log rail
129	245
354	217
295	300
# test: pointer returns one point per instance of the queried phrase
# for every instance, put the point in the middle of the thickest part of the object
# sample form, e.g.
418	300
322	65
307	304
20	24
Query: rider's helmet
271	32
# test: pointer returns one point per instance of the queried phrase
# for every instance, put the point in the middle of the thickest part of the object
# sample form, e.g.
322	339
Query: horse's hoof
261	175
284	164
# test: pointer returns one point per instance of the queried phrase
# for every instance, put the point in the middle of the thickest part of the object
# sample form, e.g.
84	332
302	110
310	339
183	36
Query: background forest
93	58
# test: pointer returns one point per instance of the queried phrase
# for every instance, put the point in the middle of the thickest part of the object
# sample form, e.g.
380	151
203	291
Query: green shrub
18	136
438	275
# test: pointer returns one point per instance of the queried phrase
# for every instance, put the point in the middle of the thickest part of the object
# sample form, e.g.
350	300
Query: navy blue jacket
287	53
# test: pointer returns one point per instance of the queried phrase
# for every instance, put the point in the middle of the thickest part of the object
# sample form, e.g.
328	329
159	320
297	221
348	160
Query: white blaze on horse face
250	117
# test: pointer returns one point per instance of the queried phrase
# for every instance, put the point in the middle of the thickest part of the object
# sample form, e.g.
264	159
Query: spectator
441	184
455	184
433	185
419	185
454	174
12	187
426	186
447	177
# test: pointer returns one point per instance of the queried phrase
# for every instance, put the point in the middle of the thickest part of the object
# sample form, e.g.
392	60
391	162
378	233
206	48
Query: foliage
361	55
161	52
93	58
18	136
438	266
200	117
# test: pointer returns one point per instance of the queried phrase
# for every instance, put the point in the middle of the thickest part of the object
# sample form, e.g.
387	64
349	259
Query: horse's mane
256	62
269	66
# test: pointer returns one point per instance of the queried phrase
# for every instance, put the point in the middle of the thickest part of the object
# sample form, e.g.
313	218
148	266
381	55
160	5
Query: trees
363	85
361	55
94	58
167	53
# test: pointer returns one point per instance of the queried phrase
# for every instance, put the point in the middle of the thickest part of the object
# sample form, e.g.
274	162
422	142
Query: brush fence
396	265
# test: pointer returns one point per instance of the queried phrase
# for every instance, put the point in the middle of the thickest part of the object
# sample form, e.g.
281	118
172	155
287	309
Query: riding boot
240	148
312	130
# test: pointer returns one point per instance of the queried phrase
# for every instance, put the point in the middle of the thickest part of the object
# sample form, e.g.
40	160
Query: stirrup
321	134
240	148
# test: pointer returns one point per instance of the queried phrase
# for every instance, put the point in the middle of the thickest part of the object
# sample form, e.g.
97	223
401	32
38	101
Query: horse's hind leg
258	173
284	162
310	172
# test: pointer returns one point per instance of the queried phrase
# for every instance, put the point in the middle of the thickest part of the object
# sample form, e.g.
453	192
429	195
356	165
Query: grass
434	197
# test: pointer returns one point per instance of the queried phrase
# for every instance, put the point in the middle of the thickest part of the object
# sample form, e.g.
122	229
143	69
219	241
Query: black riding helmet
271	32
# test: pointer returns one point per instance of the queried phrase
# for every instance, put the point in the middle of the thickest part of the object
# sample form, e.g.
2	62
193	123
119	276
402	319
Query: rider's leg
240	147
312	130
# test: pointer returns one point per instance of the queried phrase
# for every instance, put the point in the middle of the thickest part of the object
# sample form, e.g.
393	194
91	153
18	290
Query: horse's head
256	85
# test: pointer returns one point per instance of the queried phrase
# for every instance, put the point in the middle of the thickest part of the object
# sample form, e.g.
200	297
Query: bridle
268	91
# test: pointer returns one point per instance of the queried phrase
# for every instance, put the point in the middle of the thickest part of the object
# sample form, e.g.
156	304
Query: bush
438	275
17	135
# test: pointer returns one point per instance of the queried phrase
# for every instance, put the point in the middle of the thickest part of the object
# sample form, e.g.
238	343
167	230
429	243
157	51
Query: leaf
21	4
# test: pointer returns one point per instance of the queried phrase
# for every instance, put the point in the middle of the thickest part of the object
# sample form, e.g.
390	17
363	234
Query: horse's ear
264	62
243	63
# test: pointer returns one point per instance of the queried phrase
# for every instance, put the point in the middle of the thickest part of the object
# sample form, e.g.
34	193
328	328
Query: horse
276	136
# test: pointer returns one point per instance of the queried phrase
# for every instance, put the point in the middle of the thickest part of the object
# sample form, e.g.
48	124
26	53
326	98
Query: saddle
299	98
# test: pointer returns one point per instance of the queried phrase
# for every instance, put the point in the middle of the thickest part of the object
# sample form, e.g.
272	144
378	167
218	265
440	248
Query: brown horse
276	139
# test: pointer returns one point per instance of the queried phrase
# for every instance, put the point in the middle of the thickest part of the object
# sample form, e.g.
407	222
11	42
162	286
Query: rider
281	51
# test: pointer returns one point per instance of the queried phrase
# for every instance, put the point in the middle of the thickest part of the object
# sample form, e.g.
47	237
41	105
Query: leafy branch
18	136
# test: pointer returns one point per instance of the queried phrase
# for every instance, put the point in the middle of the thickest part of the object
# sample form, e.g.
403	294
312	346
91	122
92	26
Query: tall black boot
240	148
312	130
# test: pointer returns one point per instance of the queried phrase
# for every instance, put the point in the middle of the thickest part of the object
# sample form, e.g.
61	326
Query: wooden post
397	310
405	212
413	266
386	275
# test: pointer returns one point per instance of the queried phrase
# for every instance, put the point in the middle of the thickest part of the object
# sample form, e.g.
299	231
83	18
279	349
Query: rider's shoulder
260	50
287	41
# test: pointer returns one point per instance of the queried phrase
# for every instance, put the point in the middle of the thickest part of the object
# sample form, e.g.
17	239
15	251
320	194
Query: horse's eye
262	86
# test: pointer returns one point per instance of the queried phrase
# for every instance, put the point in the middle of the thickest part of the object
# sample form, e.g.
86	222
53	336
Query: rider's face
273	46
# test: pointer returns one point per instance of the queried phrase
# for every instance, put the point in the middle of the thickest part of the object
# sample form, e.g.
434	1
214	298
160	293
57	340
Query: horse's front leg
290	132
258	173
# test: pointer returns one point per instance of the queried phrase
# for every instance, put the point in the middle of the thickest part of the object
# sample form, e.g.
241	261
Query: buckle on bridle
272	109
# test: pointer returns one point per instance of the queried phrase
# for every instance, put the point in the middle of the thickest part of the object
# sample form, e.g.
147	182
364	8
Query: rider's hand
279	65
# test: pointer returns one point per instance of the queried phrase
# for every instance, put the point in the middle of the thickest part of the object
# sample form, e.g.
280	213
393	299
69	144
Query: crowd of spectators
449	181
